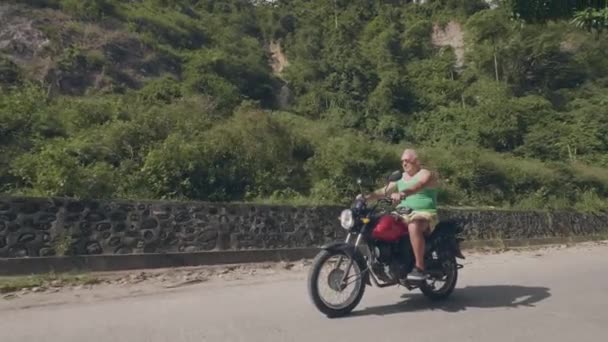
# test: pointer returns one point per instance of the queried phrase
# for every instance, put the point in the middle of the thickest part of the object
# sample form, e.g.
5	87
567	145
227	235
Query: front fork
350	264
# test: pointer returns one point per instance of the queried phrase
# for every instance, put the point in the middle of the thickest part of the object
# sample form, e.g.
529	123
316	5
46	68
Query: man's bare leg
417	229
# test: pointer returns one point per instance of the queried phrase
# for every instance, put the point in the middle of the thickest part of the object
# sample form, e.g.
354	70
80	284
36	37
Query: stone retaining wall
33	227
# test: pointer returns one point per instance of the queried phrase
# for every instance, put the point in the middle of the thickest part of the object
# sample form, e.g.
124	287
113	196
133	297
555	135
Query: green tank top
423	200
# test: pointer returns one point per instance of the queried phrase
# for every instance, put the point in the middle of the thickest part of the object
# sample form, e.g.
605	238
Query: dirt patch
571	44
137	281
128	284
42	283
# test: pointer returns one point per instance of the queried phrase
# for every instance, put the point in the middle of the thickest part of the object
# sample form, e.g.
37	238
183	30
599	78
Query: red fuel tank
389	229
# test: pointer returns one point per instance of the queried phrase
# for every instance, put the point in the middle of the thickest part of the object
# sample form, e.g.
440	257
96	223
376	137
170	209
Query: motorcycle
382	254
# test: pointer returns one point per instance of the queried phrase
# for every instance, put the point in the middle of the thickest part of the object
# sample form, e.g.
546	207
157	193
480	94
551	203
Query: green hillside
289	101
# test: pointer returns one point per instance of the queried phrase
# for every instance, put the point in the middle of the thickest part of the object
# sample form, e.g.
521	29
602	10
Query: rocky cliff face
74	56
19	38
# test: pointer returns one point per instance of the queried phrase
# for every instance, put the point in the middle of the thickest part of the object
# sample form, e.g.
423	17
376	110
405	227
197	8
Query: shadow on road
495	296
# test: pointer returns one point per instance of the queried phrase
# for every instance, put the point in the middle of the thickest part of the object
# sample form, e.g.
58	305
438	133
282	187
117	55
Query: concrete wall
33	227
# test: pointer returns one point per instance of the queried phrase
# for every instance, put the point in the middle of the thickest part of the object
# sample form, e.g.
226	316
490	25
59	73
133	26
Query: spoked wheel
440	287
334	287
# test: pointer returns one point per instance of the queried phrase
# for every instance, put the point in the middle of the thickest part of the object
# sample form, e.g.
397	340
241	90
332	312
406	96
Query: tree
489	27
541	11
592	19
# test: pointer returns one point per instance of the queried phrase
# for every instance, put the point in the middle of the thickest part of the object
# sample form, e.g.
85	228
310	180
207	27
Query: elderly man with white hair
417	190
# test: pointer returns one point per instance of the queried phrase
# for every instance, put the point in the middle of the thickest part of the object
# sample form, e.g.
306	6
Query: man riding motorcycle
417	190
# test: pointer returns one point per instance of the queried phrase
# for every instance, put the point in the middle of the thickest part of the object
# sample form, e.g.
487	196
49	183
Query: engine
391	261
384	253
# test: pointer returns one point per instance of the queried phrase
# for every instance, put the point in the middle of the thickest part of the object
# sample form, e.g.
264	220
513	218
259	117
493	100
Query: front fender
339	246
352	253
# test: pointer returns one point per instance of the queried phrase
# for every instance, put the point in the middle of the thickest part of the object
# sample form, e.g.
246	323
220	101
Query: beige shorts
431	218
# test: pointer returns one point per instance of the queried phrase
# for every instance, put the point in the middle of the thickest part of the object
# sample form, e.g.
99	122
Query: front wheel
334	288
438	288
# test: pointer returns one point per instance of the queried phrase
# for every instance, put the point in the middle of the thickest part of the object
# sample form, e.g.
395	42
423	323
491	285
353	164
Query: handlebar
387	200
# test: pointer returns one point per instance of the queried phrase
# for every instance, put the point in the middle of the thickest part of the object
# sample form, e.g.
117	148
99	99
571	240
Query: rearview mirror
395	176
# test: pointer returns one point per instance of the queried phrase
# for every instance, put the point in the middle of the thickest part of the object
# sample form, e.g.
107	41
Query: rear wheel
328	292
441	286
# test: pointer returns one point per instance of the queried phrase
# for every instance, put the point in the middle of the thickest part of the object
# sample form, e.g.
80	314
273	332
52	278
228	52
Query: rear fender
352	253
447	243
455	247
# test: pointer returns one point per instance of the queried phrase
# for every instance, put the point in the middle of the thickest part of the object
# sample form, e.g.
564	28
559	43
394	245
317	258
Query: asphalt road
552	295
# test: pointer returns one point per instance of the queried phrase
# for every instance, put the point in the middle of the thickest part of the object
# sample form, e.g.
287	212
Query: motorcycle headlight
346	219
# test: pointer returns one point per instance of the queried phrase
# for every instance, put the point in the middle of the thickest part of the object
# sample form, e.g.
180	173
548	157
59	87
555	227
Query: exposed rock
279	60
451	35
18	37
77	55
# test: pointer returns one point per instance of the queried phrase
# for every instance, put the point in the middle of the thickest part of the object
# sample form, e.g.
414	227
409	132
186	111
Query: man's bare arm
426	178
